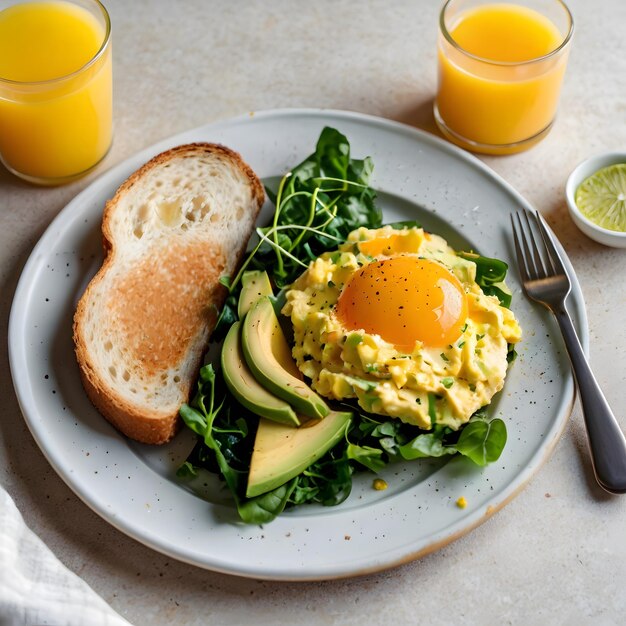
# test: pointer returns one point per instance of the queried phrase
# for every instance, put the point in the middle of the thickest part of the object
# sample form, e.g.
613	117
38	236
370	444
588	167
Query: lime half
601	198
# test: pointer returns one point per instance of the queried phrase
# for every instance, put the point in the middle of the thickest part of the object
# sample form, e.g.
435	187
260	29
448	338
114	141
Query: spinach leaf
328	481
501	292
264	508
366	456
187	470
490	275
511	353
482	440
488	271
226	318
426	445
377	432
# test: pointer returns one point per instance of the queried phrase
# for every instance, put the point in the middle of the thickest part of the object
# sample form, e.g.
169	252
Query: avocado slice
269	358
281	452
254	285
244	386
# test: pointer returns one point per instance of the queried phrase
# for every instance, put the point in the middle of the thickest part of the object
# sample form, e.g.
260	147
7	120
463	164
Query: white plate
134	487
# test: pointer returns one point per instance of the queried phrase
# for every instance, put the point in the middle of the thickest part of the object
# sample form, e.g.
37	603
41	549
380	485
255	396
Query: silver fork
545	280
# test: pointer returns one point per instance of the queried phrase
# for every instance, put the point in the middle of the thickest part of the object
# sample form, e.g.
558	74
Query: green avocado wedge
245	387
281	452
254	285
269	358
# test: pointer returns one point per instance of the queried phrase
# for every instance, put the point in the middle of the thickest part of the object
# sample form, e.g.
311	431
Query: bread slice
143	324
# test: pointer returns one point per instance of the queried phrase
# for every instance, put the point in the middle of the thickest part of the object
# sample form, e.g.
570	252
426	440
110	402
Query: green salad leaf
367	456
267	506
482	440
328	481
425	445
490	275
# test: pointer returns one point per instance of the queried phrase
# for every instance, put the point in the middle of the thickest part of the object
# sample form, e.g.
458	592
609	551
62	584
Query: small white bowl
607	237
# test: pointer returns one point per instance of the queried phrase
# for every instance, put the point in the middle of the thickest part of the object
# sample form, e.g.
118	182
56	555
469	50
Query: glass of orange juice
55	88
501	65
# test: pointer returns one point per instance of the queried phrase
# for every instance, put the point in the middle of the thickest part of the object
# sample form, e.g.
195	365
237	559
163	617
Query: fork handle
606	440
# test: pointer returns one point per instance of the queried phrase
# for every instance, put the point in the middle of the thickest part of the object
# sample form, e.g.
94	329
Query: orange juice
55	89
500	74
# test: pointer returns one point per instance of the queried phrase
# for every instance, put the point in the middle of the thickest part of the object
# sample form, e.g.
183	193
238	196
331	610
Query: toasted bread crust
134	423
189	150
194	325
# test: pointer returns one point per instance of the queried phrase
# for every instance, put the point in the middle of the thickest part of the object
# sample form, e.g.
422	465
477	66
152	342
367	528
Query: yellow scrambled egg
396	319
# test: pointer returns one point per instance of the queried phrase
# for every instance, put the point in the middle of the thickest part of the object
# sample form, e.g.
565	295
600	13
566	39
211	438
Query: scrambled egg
395	319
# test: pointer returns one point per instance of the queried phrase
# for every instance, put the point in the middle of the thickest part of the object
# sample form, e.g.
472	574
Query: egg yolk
404	299
394	244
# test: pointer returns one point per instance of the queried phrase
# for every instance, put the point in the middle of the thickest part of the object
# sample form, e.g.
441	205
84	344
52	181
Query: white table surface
557	553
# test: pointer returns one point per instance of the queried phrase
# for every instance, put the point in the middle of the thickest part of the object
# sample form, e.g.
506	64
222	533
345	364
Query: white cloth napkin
36	589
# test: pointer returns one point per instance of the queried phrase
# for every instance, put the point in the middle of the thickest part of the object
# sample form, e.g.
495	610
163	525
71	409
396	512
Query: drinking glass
55	88
501	66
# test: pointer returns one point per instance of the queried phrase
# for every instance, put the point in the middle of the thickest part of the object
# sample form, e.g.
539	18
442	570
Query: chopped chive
431	408
354	340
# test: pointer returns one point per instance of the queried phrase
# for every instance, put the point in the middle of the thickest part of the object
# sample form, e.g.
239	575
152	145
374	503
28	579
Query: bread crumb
347	537
461	502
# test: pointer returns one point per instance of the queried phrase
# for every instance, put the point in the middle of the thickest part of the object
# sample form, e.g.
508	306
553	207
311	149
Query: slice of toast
143	324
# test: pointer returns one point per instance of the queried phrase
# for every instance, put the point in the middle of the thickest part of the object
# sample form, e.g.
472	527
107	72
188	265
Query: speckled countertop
557	553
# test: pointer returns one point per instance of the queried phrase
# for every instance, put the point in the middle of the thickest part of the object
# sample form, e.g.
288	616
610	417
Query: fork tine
551	251
525	233
541	271
517	236
523	237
